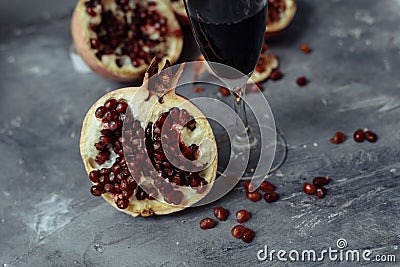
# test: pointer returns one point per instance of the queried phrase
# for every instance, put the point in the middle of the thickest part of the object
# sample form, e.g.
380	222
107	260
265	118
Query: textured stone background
48	217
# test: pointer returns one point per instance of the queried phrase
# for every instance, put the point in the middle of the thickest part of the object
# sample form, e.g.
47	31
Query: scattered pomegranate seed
321	192
207	223
237	231
271	197
242	216
198	89
267	187
320	181
308	188
246	186
221	213
370	136
253	196
359	136
305	48
224	91
338	138
302	81
276	75
248	235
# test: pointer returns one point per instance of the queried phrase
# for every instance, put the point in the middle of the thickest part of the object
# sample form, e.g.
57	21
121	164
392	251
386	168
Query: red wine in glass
229	32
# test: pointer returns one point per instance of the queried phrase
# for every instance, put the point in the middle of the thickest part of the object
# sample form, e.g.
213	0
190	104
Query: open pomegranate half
148	150
280	14
119	38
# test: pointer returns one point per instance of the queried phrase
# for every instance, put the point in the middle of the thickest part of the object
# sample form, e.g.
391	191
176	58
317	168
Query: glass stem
242	135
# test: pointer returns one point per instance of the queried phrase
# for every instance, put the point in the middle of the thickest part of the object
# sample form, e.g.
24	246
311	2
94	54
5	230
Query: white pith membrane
285	16
148	109
170	48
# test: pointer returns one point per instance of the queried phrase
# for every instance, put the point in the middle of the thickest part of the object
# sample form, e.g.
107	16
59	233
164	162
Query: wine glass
231	32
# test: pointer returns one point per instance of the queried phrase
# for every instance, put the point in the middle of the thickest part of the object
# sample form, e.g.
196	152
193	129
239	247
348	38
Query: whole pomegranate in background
119	38
144	144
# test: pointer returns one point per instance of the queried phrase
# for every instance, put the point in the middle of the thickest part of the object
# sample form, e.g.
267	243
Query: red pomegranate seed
96	190
338	138
320	181
121	107
248	235
224	91
109	188
207	223
267	187
122	203
308	188
221	213
276	75
271	197
305	48
370	136
237	231
94	176
359	136
242	216
302	81
321	192
100	111
111	104
198	89
94	43
91	11
246	186
253	196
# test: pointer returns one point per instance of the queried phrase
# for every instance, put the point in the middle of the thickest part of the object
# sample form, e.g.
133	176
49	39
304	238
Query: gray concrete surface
48	217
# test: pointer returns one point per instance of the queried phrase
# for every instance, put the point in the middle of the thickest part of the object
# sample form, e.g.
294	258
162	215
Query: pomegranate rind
286	18
81	35
91	132
271	63
180	12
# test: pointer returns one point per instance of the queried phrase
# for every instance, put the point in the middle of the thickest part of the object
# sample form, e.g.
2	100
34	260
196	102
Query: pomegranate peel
141	99
107	65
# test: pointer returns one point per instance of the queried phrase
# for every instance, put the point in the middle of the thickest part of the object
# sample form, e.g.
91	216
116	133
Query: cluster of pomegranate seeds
358	136
116	179
238	231
207	223
275	8
302	81
270	195
162	139
317	187
134	31
221	213
361	135
305	48
338	138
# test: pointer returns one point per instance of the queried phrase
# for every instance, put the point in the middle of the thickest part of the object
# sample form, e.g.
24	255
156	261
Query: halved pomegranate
265	65
280	14
119	38
149	156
